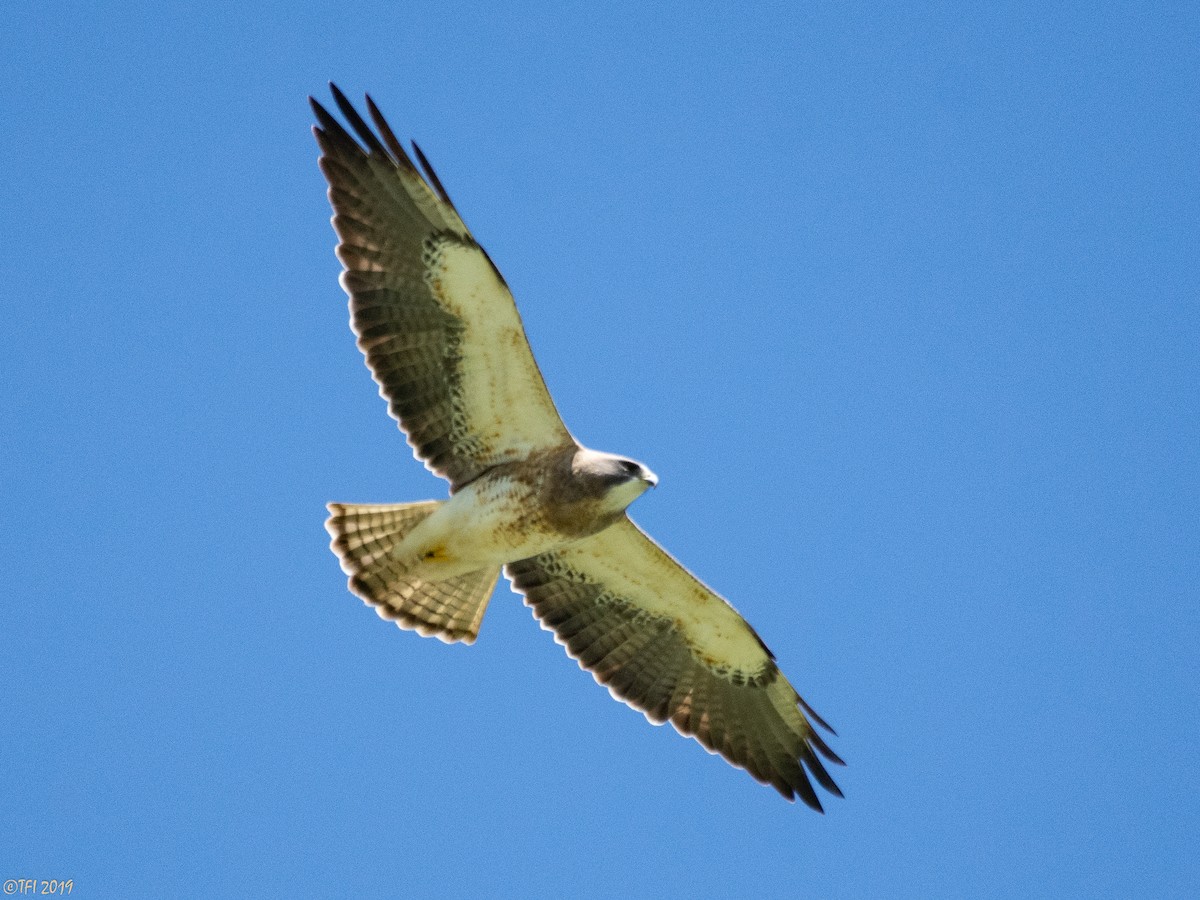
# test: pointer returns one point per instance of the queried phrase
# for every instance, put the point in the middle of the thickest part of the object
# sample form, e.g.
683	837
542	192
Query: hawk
442	337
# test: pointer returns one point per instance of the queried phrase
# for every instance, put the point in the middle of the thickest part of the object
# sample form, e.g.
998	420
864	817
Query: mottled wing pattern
433	316
667	645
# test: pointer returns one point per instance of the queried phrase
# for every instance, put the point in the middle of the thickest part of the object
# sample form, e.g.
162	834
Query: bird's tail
363	538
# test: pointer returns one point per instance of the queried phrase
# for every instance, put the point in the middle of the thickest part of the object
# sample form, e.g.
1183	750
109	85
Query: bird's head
617	480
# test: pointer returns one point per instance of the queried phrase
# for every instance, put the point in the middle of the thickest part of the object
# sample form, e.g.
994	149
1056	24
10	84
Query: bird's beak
650	478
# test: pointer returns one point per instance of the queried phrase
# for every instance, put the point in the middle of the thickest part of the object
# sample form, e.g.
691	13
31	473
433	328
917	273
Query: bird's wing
667	645
433	315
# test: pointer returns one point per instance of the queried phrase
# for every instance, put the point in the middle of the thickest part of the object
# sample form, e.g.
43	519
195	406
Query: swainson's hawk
442	337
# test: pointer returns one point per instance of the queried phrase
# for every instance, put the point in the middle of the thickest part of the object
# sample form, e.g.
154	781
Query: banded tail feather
364	536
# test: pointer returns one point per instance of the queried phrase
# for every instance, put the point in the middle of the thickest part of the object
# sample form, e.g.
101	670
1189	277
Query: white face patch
623	494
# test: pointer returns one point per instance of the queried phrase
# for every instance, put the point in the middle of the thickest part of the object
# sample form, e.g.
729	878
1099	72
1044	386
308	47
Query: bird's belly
490	522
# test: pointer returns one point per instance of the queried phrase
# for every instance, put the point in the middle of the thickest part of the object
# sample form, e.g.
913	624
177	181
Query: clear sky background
902	304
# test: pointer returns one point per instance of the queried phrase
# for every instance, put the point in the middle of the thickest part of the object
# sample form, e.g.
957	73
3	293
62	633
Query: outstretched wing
667	645
433	315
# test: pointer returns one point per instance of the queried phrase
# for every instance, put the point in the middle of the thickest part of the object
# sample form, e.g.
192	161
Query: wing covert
665	644
433	316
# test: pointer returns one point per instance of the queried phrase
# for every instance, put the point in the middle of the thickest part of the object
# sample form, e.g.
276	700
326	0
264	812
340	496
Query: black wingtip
361	128
337	94
809	797
431	175
813	763
390	148
823	748
325	121
388	135
816	718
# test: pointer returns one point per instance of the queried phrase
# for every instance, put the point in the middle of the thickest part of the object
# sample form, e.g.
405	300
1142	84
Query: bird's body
514	511
443	339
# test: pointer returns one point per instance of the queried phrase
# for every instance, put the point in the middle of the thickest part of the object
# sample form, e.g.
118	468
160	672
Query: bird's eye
630	467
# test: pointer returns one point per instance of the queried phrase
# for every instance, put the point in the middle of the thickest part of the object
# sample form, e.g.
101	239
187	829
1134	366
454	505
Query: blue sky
900	304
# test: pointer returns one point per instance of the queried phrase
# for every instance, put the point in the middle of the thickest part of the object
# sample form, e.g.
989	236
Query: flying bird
442	338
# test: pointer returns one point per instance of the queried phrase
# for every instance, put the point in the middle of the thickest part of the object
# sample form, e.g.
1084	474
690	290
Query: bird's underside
443	340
